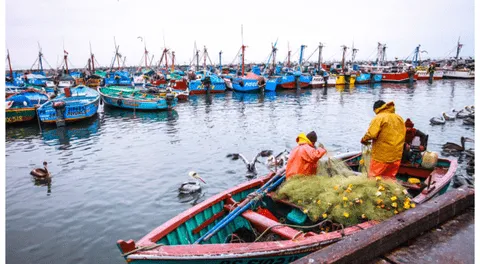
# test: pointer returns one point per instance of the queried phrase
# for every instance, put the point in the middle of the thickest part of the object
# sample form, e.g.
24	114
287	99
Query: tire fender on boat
119	102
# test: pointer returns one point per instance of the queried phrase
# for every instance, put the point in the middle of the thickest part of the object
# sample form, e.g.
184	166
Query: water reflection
148	116
22	131
63	135
43	182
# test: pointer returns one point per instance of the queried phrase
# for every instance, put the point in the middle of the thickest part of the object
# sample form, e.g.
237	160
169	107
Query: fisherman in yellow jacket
387	132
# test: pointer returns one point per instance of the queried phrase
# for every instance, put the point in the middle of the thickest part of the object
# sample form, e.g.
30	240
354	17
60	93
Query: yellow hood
388	107
302	139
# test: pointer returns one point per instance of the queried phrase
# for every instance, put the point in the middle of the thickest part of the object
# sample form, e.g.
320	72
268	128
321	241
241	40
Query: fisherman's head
312	136
378	104
408	123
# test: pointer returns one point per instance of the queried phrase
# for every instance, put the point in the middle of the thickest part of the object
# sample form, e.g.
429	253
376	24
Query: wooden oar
246	204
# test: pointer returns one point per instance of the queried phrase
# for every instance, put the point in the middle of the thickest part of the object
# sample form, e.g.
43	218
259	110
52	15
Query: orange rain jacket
304	158
387	130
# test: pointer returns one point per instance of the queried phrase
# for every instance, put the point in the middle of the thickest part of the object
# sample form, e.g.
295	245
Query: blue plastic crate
297	216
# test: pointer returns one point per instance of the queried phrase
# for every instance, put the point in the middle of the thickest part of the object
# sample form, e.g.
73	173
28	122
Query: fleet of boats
75	94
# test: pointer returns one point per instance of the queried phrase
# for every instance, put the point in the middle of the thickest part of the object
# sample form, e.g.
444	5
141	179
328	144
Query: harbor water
116	175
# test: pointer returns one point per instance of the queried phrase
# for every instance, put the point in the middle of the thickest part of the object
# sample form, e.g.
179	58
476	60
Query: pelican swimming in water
41	173
448	117
464	113
452	147
251	165
469	121
191	186
437	120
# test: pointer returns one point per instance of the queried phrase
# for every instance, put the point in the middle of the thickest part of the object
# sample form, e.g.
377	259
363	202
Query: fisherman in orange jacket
304	158
387	131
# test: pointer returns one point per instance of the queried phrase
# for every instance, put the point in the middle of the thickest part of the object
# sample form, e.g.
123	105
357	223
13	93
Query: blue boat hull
367	78
289	82
284	259
130	103
81	105
196	87
245	85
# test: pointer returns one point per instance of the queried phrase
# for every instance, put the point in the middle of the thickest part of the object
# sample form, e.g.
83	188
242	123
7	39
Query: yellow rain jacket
387	130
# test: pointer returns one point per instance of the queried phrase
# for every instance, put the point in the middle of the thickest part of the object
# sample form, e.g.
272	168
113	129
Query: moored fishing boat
366	77
209	83
398	74
196	235
289	81
22	106
459	74
75	104
424	74
130	98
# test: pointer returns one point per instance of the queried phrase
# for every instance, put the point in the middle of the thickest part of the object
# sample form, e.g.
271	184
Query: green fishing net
346	197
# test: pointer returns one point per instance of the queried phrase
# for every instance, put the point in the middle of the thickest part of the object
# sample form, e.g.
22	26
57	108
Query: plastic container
296	216
429	159
266	213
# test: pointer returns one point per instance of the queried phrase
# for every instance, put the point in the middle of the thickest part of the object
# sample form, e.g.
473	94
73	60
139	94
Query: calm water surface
116	175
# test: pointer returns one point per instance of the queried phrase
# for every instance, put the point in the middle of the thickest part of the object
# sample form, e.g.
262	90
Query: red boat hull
397	77
179	84
292	85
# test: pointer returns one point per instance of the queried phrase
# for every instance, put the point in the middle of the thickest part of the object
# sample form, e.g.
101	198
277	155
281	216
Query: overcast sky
402	25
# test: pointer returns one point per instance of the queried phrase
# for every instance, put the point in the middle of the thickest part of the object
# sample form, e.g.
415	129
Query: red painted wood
209	221
262	223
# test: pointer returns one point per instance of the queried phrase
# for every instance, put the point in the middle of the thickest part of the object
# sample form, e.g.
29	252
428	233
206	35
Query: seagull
437	121
191	186
251	165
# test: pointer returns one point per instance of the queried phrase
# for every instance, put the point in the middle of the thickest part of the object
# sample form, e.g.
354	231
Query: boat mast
415	55
198	59
243	55
173	61
204	60
301	57
354	52
92	57
9	64
288	55
40	55
320	47
384	49
146	53
343	56
165	50
220	60
459	47
116	53
65	57
274	55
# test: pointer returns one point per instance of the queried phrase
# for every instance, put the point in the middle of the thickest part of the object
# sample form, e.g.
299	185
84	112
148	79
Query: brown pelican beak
469	140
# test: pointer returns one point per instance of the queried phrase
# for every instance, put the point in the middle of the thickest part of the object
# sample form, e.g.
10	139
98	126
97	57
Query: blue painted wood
129	98
82	104
245	85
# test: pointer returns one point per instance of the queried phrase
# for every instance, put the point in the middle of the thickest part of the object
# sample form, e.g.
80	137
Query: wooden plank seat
262	223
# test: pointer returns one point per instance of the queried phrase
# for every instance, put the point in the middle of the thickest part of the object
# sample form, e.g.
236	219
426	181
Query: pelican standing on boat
452	147
251	165
41	173
437	120
191	186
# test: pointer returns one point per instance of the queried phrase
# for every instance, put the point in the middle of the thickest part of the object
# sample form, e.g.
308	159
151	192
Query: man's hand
365	142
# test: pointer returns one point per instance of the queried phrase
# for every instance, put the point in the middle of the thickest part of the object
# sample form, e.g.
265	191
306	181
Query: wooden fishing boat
130	98
211	83
366	77
424	75
398	74
22	106
75	104
289	82
190	237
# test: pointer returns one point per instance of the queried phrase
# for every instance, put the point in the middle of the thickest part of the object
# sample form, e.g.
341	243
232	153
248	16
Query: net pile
343	196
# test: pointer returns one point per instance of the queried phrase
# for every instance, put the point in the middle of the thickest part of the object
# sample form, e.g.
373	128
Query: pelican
464	113
437	120
191	186
277	161
41	173
452	147
469	121
470	153
251	165
448	117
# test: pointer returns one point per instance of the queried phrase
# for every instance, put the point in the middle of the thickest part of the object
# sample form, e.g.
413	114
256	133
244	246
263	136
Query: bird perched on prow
452	147
437	120
41	173
191	186
251	165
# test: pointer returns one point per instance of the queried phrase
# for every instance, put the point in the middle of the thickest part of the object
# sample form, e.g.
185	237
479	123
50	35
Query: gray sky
402	25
